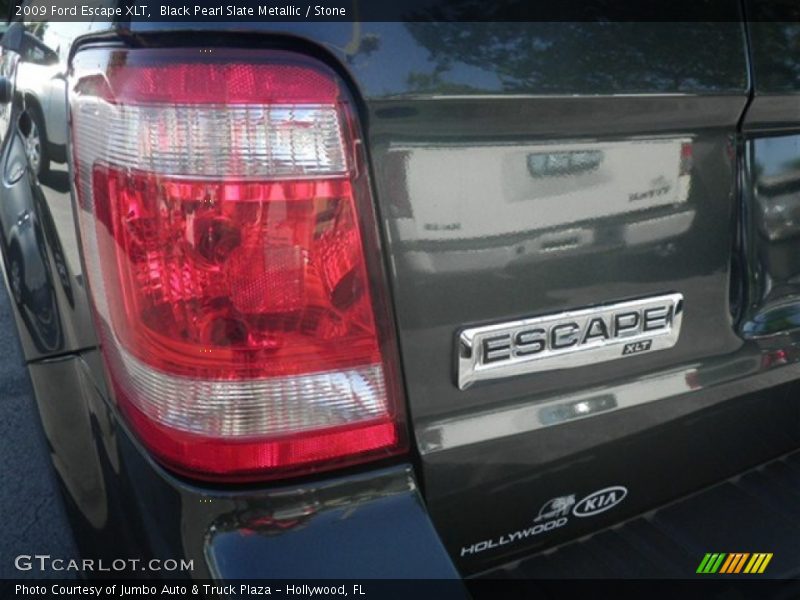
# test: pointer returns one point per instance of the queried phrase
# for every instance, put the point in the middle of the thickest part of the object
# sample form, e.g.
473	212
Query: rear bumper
364	524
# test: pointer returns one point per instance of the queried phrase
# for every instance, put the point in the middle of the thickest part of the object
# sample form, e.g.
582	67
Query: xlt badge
568	339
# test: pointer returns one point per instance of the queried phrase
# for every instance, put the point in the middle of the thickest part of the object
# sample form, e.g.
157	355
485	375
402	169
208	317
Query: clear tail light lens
230	245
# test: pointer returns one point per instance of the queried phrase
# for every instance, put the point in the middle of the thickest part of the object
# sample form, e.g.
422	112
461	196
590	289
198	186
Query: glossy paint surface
474	59
479	231
40	251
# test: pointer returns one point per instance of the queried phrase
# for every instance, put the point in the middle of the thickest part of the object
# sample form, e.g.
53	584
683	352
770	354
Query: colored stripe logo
734	563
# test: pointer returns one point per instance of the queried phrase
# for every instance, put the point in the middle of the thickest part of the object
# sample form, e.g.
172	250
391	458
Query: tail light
231	250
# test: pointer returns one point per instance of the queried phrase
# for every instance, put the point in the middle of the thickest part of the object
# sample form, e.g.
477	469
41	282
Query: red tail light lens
231	250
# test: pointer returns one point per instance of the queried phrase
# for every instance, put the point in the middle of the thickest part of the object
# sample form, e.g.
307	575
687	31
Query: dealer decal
555	514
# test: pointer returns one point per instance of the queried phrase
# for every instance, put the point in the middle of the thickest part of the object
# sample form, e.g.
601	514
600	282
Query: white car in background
41	80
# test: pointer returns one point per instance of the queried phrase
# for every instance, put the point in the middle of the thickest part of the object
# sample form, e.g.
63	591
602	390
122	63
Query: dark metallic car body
453	113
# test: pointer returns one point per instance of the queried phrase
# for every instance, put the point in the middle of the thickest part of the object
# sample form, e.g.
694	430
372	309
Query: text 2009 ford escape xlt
420	299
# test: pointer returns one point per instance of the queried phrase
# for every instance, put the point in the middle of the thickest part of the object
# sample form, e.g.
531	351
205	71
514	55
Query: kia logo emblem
600	501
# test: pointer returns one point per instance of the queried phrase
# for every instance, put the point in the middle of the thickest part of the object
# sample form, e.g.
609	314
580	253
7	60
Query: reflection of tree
776	56
586	57
368	44
360	45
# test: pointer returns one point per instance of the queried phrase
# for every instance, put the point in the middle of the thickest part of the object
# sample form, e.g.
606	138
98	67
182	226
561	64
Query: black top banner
236	11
